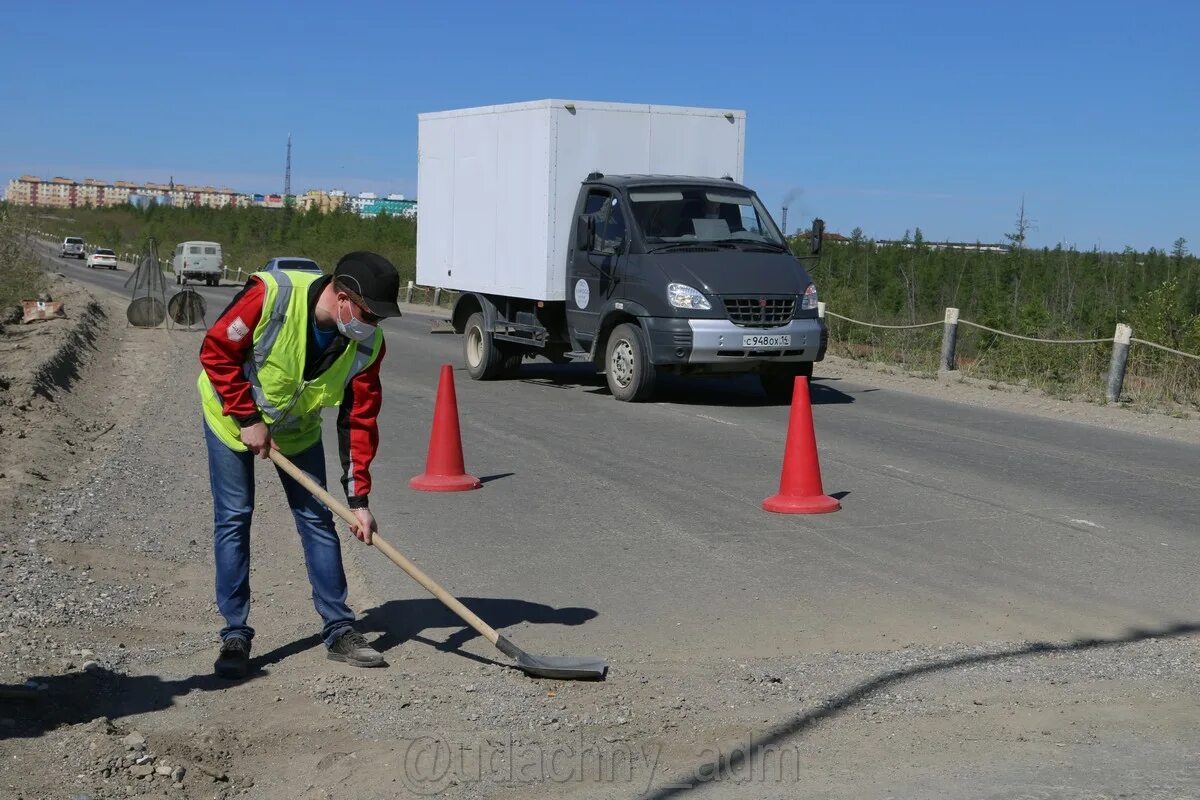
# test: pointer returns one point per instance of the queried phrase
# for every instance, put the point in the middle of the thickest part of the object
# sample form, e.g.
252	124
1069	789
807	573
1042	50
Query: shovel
562	667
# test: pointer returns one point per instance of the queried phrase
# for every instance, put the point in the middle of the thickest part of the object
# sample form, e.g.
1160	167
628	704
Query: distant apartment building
364	204
321	200
394	205
59	192
360	201
28	190
268	200
984	247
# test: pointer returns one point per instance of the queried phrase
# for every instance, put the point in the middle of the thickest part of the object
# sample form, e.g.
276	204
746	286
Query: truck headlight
809	301
680	295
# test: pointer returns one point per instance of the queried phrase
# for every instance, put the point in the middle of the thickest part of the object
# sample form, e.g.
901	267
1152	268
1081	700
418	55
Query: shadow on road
560	376
730	766
740	391
83	696
403	620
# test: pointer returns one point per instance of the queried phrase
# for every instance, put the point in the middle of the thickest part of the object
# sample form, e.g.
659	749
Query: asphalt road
215	298
958	523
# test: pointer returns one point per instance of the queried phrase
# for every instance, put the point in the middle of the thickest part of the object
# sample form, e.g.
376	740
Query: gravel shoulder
1020	399
107	621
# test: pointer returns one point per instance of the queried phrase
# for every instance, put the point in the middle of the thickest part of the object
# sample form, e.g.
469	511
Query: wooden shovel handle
452	602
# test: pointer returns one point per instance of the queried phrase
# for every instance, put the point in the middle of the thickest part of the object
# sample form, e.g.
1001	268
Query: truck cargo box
497	185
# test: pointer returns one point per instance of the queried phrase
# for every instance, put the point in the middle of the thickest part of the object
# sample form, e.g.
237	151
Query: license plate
763	340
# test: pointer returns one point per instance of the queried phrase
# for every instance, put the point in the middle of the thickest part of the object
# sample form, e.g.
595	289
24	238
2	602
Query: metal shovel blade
561	667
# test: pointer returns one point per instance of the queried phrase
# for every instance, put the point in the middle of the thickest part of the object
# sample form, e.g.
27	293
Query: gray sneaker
352	648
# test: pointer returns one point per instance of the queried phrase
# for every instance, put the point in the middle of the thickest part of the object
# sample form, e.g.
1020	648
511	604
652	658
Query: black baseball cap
373	278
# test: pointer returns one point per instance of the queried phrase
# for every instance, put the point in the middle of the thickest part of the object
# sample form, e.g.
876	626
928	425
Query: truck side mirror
585	232
818	236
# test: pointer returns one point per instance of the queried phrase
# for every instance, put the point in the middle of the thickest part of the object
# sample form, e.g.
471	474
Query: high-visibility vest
290	406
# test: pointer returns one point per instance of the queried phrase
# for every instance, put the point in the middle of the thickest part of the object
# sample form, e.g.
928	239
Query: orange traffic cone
800	489
444	469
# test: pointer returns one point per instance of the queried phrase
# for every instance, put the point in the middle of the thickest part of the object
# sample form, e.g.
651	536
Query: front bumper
719	342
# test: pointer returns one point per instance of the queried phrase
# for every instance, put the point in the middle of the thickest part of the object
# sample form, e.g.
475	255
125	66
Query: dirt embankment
39	365
104	561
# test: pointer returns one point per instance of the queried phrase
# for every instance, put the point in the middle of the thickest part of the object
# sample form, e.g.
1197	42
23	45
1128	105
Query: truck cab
696	275
664	273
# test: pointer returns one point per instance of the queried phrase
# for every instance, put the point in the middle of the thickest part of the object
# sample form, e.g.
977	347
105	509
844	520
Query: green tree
1023	226
1179	250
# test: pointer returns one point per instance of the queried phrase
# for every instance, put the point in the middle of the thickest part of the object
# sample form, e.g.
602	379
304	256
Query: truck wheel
778	383
483	357
627	364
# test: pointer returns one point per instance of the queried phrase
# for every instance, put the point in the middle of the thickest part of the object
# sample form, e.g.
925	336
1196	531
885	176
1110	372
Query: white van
198	261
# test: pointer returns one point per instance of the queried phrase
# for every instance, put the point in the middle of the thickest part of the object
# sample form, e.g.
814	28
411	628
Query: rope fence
1121	340
1030	338
1163	347
887	327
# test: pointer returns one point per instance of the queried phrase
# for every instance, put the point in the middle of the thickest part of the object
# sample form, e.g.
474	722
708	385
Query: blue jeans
232	477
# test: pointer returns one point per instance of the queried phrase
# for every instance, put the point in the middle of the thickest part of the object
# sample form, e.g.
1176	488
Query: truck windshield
669	215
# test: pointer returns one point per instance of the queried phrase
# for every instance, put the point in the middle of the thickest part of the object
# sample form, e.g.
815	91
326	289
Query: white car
102	257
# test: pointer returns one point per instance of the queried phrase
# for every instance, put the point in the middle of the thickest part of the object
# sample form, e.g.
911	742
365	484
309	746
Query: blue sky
884	115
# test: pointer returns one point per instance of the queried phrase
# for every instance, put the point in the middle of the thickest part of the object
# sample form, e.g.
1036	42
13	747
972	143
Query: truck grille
760	312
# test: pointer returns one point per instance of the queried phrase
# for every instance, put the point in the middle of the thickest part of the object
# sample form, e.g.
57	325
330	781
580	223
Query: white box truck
615	233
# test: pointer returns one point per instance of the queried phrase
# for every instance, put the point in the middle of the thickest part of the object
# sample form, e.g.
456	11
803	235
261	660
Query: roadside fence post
1116	368
949	340
408	293
437	296
820	309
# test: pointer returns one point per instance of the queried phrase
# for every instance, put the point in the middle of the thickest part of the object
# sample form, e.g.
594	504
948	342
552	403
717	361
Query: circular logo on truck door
582	293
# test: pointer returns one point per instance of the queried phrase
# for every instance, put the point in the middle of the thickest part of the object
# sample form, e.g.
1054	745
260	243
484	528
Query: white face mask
354	328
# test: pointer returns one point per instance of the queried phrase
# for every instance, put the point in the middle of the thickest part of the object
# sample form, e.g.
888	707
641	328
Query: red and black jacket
222	357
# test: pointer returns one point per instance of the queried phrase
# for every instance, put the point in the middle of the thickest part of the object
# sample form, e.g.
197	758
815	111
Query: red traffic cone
800	489
444	469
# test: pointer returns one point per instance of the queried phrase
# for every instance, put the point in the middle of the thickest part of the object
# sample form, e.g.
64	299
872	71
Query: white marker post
1116	368
949	340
